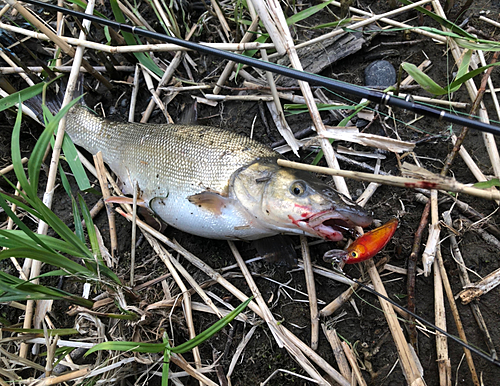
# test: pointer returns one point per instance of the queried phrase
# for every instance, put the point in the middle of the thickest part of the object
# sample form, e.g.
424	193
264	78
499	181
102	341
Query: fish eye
298	188
354	254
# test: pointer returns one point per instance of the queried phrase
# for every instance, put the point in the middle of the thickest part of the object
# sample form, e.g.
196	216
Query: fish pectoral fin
210	201
125	200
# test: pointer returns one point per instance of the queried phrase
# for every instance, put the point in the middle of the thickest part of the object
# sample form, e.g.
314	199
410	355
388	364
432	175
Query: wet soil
361	322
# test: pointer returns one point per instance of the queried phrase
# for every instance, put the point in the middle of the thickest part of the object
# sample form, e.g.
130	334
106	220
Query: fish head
294	201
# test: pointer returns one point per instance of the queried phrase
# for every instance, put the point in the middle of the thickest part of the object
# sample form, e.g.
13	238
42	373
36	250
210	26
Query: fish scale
165	157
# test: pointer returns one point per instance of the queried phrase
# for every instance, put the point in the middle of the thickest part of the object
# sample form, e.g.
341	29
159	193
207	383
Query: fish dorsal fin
211	201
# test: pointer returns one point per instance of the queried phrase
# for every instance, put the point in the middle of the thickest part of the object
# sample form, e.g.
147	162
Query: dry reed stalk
195	286
407	362
182	363
167	76
9	168
44	306
133	96
339	301
354	364
444	102
239	350
252	305
101	175
262	9
167	258
456	316
268	316
67	49
134	232
155	97
443	360
311	292
403	182
249	34
464	279
36	69
73	375
12	64
338	351
246	98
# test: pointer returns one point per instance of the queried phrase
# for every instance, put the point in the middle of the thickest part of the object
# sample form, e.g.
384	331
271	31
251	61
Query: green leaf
128	346
338	23
83	5
27	93
212	330
487	184
307	12
423	79
90	228
39	331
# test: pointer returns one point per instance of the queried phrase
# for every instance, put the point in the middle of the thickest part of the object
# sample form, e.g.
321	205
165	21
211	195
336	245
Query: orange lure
364	247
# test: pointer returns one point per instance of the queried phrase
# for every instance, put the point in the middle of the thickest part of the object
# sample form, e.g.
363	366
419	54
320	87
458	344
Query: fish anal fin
211	201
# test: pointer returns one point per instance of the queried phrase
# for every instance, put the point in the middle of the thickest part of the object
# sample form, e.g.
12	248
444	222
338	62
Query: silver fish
214	183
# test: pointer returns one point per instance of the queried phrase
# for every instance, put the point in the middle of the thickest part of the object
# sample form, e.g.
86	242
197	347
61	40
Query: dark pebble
380	73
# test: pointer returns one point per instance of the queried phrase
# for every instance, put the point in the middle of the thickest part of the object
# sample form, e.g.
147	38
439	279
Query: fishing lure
364	247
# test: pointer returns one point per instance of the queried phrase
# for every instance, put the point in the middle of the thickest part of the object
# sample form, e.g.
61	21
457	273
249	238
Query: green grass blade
77	220
471	74
39	331
90	228
128	346
307	12
16	153
27	93
83	5
487	184
423	79
212	330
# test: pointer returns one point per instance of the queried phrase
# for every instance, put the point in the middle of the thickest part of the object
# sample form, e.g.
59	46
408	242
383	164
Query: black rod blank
334	85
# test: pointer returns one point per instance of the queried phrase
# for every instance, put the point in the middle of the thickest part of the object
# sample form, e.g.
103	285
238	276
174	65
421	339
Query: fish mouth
334	224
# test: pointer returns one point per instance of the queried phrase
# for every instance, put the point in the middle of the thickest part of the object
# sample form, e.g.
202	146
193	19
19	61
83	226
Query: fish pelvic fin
211	201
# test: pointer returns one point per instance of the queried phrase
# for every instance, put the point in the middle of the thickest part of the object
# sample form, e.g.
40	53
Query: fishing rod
419	318
331	84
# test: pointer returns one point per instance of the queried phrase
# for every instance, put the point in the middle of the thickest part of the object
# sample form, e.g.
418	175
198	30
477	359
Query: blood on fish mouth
330	225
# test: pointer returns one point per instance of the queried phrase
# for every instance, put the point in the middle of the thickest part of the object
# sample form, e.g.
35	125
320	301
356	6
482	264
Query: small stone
380	73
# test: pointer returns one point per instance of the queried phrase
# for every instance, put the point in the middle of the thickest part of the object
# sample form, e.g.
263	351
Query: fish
365	246
214	183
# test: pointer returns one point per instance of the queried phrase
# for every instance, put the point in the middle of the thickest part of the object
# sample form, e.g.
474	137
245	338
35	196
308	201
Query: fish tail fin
53	98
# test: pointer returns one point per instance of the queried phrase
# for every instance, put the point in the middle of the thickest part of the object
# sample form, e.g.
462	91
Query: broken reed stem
101	175
410	368
443	360
311	292
184	365
339	301
411	274
38	69
167	76
338	351
249	34
134	232
464	279
133	96
354	364
166	257
402	182
456	316
242	297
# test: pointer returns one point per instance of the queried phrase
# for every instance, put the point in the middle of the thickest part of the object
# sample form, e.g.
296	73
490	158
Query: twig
239	350
448	185
133	96
311	291
338	351
101	175
17	70
411	275
354	365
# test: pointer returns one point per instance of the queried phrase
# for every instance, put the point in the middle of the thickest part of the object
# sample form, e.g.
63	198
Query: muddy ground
364	325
